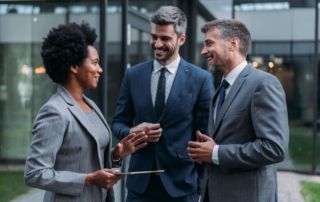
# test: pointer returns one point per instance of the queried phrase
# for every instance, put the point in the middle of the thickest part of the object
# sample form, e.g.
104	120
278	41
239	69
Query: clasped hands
201	150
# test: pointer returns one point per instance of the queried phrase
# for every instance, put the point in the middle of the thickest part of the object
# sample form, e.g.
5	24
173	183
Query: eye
165	38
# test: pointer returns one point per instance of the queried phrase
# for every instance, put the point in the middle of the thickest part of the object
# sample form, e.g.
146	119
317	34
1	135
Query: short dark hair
65	46
171	15
229	29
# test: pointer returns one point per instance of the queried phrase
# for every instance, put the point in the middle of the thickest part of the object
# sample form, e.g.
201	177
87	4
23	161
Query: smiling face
88	73
216	51
165	43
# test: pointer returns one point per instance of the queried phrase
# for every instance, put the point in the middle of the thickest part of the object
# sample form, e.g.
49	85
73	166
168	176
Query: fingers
193	144
129	137
112	178
151	126
153	138
139	146
202	137
194	155
137	139
111	171
104	178
147	126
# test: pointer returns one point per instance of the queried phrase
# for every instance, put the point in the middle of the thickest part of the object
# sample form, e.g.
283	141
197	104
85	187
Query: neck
75	92
233	64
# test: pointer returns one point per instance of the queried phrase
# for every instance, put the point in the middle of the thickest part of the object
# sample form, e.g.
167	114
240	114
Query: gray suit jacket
64	148
252	133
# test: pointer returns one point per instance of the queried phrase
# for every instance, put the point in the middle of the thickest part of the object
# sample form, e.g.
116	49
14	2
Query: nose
158	43
100	70
204	51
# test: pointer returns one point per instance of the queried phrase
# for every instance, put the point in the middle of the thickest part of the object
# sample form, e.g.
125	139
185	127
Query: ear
234	43
74	69
181	39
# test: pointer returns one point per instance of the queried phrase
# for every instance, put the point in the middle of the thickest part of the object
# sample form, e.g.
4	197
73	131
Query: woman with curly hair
70	154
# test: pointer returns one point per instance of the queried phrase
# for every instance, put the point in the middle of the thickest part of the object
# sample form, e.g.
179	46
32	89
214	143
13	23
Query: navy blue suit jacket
186	110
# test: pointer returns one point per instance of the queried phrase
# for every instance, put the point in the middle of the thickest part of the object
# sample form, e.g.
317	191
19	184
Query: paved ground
289	188
289	185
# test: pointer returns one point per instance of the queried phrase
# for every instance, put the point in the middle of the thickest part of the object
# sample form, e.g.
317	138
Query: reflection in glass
146	6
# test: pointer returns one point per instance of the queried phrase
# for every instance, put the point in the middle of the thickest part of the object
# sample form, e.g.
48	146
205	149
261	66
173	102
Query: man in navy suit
169	105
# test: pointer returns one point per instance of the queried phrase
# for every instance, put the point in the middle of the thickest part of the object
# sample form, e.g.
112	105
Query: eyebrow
162	37
208	41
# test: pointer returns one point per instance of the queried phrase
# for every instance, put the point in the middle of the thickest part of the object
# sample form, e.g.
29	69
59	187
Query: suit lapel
80	116
145	80
235	88
177	86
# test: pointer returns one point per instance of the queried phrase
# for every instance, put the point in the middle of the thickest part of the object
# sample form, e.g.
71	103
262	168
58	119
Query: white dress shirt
170	74
231	77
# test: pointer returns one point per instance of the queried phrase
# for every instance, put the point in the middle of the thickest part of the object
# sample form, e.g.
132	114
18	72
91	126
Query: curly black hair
65	46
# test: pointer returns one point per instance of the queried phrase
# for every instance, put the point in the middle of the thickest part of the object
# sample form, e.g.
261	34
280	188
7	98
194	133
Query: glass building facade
123	30
284	43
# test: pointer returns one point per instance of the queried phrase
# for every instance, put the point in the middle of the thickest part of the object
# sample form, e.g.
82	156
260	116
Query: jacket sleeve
123	119
202	105
48	134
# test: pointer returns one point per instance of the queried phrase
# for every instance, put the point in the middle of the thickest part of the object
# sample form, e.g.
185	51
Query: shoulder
195	70
260	79
138	67
56	102
261	76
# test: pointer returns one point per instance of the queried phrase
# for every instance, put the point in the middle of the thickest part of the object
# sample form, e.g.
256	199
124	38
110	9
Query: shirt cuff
215	158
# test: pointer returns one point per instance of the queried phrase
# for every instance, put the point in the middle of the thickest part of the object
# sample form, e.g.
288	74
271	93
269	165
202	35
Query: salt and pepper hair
229	29
170	15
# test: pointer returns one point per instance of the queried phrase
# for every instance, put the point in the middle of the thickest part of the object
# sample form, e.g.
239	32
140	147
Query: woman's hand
129	144
105	178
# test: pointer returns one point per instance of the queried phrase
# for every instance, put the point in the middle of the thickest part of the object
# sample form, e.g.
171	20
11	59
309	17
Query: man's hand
152	130
201	151
129	144
105	178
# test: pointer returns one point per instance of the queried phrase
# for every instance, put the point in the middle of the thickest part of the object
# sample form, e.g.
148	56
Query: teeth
157	50
208	59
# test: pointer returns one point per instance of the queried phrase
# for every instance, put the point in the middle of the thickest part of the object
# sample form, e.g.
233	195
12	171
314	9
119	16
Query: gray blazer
252	133
64	148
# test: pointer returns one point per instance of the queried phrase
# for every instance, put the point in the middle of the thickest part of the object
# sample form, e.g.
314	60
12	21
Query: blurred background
284	43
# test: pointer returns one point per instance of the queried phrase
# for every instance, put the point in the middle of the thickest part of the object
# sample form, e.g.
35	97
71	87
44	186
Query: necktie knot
163	70
224	83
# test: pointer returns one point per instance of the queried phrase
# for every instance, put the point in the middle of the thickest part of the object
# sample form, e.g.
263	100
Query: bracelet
116	160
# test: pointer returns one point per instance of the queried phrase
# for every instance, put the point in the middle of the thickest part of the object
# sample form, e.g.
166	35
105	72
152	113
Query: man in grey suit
248	125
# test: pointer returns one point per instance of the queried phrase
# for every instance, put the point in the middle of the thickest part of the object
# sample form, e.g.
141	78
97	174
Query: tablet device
140	172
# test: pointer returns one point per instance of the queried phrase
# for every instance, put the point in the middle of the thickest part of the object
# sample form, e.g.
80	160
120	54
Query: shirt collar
172	67
231	77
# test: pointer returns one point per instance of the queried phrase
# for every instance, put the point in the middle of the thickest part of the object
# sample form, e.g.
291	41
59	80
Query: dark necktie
161	93
222	95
